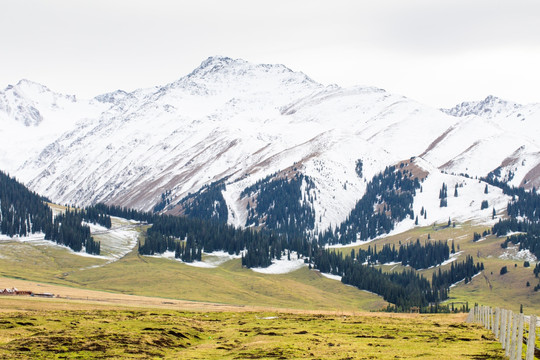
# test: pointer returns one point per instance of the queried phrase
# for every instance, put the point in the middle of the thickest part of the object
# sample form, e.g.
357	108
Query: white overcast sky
437	52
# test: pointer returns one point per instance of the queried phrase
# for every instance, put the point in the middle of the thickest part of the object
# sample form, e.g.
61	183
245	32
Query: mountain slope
237	122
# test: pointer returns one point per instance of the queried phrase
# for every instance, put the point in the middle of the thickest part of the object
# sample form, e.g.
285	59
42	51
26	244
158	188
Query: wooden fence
509	329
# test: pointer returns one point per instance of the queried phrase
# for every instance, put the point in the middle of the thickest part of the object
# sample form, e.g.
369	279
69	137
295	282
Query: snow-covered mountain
237	122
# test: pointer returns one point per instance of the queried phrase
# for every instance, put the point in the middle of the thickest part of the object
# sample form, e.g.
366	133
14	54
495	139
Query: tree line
22	211
207	203
67	229
404	289
277	203
189	237
414	254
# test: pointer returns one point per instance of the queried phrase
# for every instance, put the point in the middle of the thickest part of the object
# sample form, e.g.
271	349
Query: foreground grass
102	332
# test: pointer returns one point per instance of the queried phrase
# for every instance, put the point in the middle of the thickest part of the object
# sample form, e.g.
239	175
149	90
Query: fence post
497	326
482	315
513	344
520	338
490	320
508	332
503	328
470	317
532	338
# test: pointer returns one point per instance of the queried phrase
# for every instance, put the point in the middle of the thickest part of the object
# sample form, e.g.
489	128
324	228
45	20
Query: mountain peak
217	60
218	66
489	107
26	82
215	64
36	92
112	97
25	85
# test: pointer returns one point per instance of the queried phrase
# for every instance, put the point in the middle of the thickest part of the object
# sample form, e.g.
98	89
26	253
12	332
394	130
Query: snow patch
95	227
282	266
331	276
453	257
38	239
209	260
462	281
513	253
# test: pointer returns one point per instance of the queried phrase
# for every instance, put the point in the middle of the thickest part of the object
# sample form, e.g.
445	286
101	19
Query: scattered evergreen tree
443	193
358	167
484	205
165	201
504	270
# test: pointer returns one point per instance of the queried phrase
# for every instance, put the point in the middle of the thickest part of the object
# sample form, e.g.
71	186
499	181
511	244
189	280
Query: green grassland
303	289
142	333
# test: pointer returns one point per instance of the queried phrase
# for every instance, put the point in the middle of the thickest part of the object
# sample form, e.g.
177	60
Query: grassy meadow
168	279
87	331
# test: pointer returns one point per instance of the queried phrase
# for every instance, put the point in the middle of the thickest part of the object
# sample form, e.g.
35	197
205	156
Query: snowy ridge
489	107
235	120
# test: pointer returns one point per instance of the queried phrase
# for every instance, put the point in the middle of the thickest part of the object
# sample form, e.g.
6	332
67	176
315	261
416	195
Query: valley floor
124	305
